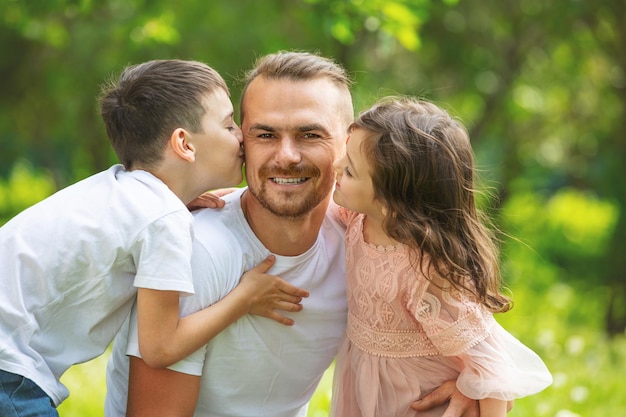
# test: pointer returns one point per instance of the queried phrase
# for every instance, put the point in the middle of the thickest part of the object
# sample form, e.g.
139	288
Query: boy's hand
268	293
210	199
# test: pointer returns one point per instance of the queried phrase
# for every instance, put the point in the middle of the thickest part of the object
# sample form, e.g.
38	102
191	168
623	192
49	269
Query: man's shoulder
219	224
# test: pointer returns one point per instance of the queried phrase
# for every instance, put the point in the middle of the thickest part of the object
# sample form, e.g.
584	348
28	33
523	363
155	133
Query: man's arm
160	392
459	405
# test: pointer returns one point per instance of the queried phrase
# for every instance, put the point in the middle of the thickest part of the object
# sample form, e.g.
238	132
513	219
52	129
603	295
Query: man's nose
288	151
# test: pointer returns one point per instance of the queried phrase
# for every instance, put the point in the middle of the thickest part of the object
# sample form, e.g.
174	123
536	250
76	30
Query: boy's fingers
293	290
266	264
206	200
281	319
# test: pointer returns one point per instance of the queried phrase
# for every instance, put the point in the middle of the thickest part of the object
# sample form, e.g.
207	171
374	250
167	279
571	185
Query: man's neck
282	235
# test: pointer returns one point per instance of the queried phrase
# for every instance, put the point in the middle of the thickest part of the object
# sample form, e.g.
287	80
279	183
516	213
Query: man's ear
182	146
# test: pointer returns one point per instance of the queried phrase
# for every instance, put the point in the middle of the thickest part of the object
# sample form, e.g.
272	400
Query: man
296	108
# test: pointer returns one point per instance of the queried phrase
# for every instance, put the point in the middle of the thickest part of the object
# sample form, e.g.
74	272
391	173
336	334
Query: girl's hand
268	293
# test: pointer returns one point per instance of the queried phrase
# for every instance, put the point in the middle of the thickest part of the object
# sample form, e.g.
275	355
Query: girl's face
354	189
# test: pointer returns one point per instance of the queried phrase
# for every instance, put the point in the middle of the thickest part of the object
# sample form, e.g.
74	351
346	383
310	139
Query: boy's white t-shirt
71	264
256	366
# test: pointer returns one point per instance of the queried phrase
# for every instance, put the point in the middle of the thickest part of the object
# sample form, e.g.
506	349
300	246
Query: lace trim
451	341
465	334
398	344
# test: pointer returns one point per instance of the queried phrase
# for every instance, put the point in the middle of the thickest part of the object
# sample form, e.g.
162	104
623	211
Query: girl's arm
165	339
490	407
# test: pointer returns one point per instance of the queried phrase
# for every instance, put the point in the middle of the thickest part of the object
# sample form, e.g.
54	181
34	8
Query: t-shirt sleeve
162	254
214	279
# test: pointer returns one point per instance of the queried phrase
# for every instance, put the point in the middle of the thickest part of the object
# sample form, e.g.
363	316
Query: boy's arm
164	339
160	392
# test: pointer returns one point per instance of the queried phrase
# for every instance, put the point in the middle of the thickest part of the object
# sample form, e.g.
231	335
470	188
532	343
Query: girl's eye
346	170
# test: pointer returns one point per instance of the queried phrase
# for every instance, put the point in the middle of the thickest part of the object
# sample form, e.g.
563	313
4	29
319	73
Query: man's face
293	131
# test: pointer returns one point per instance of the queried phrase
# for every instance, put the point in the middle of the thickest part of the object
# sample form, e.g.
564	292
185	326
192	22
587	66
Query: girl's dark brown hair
422	168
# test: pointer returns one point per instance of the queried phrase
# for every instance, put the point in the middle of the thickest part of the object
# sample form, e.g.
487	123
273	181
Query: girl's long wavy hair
422	168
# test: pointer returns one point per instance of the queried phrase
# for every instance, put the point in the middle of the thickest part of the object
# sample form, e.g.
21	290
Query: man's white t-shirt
70	266
256	367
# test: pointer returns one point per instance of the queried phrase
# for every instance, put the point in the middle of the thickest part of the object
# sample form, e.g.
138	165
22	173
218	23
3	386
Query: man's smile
288	181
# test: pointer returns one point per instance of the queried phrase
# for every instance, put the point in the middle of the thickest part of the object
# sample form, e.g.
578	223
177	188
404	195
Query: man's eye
310	136
266	135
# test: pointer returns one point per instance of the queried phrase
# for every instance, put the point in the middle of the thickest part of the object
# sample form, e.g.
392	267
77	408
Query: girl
423	276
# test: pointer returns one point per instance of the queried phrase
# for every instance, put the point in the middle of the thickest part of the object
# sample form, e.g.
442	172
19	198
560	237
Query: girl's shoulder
342	214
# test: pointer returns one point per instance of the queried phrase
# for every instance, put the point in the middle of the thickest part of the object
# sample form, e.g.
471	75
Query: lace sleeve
453	321
502	367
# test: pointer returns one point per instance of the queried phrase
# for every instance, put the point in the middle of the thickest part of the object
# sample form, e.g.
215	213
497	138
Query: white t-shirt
70	265
256	367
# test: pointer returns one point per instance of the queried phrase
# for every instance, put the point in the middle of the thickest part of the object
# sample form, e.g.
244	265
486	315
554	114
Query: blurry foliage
23	188
541	87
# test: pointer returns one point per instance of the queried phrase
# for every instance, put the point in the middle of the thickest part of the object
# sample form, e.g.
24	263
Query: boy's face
219	151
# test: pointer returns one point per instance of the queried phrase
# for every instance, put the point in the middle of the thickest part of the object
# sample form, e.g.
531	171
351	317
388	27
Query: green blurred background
540	85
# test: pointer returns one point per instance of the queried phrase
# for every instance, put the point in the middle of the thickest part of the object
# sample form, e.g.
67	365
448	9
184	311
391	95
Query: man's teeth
288	181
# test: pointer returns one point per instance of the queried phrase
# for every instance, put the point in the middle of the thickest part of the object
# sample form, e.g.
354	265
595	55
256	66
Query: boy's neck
175	180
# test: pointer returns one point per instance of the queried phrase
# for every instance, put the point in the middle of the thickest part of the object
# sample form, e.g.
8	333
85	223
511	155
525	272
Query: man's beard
291	204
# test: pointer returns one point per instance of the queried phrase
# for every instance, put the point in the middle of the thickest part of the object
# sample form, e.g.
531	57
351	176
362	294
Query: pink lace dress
405	337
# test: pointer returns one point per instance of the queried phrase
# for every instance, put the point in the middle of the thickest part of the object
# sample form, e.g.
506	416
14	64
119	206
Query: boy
70	265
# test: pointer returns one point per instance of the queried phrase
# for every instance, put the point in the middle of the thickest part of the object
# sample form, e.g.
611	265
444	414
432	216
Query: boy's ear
182	146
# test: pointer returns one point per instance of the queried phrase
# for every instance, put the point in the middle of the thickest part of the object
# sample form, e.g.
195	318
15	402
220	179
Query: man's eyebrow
304	128
259	126
312	127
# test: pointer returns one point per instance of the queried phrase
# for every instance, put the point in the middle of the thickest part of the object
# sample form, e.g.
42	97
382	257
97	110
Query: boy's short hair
149	101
